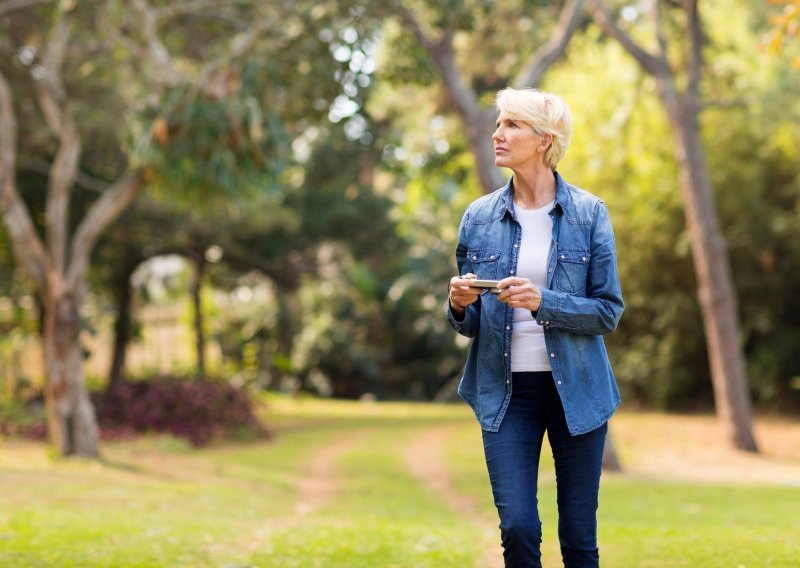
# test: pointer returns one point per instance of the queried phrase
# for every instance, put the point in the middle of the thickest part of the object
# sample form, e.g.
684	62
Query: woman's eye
512	124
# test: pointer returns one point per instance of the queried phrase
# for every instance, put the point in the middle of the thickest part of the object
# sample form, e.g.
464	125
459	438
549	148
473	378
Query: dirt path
425	459
319	485
322	481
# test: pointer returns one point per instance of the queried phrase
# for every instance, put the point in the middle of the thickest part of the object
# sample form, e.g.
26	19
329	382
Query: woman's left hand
520	293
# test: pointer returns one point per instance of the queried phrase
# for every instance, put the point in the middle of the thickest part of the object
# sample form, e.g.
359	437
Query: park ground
349	484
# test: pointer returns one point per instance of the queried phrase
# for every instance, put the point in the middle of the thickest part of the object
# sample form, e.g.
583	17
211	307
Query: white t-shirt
528	350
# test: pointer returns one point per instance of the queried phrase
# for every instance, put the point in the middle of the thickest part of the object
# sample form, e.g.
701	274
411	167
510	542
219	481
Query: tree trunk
122	328
199	333
610	458
716	292
479	130
70	414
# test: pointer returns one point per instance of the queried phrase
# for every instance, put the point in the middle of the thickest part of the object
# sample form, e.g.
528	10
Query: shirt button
492	258
584	259
563	257
511	272
552	354
508	327
549	270
508	382
547	323
505	354
474	258
559	382
516	246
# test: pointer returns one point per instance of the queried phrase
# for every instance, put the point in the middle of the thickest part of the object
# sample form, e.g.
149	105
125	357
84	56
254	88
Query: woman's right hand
461	293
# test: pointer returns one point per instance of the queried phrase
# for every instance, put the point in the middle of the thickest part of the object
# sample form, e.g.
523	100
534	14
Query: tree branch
414	25
115	34
156	49
52	100
103	212
63	174
50	89
28	247
43	167
658	24
238	47
541	60
695	51
654	65
477	122
442	52
179	8
10	5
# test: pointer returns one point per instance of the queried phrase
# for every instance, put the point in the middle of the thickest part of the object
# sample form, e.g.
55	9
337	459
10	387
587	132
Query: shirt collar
562	195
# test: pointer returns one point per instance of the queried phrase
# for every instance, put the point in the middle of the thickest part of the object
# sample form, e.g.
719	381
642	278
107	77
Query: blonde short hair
545	112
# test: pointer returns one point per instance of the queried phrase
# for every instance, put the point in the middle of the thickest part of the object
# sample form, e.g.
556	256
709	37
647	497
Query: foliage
199	145
785	32
621	151
22	418
197	410
354	171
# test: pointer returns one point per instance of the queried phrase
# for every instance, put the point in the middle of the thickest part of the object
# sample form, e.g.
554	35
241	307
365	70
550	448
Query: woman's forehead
506	117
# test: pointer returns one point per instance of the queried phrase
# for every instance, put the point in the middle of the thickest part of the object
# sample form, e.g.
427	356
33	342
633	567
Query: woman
537	361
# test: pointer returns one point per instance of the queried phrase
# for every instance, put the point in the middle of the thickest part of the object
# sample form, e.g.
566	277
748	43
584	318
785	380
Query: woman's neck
534	189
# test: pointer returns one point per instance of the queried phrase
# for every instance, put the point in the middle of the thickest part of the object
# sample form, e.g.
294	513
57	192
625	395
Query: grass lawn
346	484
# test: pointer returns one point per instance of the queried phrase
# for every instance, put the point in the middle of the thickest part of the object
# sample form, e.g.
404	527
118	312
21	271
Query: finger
507	292
515	296
506	282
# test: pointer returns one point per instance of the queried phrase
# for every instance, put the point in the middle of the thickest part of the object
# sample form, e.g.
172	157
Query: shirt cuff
547	314
459	325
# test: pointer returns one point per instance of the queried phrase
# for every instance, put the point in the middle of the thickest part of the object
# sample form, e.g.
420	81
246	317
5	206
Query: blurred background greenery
303	172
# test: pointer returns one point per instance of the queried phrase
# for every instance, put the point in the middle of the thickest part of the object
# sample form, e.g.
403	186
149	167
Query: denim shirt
581	302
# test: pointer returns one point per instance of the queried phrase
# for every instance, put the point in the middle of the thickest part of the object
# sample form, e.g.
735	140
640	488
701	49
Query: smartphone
490	285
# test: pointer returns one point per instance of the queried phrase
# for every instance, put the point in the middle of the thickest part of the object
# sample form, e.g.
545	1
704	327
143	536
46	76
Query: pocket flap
483	255
576	256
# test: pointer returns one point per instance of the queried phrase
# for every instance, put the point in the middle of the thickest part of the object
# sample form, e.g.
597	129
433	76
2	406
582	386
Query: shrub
197	410
23	418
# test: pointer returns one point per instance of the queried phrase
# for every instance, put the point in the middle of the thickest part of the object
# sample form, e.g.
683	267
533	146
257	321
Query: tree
58	264
204	77
476	119
679	90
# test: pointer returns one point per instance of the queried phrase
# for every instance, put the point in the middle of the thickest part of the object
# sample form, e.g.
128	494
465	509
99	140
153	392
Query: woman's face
516	144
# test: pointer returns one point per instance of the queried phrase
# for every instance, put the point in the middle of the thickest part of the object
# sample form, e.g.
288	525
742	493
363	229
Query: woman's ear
545	142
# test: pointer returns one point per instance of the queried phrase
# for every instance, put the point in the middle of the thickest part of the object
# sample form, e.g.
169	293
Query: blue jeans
512	457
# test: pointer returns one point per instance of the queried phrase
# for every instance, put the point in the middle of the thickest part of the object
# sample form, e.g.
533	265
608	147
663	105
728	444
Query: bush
23	418
197	410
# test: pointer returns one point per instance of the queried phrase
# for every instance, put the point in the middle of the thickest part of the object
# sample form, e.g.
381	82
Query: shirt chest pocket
484	262
572	268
